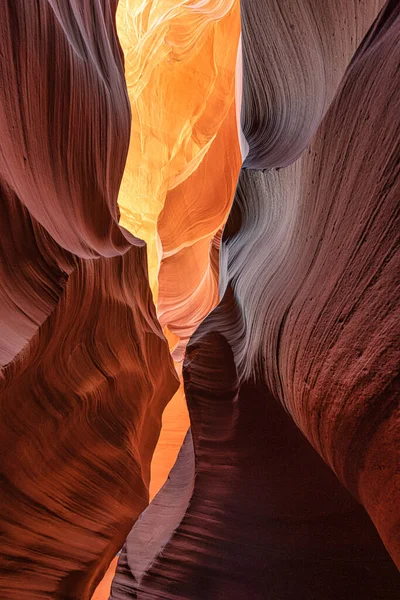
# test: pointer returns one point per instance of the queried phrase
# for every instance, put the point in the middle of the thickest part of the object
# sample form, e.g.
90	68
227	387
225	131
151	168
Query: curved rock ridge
64	123
56	153
319	293
80	416
66	290
184	155
87	371
102	591
156	524
291	74
267	517
193	213
287	486
305	341
175	424
33	273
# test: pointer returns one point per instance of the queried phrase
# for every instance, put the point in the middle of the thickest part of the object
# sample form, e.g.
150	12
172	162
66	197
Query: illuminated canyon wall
180	75
262	173
309	272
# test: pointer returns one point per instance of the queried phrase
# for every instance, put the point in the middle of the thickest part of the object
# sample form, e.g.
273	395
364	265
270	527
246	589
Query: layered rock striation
292	381
86	369
287	485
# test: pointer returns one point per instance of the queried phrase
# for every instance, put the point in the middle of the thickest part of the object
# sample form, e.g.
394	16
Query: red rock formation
292	72
321	327
102	591
60	164
156	525
175	424
89	372
310	271
33	273
267	517
80	416
58	77
292	382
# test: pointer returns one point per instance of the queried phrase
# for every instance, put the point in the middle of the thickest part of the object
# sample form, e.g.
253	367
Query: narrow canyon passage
199	299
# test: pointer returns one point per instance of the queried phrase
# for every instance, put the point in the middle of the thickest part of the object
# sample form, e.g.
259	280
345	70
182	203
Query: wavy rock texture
291	75
89	372
267	518
34	270
330	352
51	158
189	226
156	524
102	592
184	157
308	323
75	468
303	347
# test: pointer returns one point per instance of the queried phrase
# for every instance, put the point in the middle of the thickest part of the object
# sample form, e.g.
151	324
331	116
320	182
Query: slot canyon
200	299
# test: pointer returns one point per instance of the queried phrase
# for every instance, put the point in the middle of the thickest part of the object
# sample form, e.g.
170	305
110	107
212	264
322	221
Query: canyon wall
165	242
292	381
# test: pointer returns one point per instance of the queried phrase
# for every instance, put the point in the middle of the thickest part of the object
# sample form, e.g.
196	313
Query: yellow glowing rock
180	66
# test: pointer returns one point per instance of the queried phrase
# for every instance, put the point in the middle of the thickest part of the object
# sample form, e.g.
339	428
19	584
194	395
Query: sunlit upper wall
180	66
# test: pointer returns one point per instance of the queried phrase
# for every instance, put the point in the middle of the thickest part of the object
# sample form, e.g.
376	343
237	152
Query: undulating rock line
87	369
308	323
267	518
80	416
193	214
319	294
156	524
184	157
56	154
33	273
292	72
183	163
175	425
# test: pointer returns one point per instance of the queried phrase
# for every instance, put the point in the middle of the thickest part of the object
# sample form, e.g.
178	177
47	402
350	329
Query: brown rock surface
305	341
89	372
295	53
288	485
